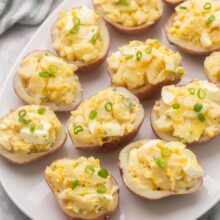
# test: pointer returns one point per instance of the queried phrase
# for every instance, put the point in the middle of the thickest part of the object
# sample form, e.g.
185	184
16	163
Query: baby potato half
29	133
106	121
154	169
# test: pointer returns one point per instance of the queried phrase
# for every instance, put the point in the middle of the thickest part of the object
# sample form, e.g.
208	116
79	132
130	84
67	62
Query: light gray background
11	44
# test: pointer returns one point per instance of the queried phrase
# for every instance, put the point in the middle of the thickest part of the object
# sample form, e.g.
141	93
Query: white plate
26	186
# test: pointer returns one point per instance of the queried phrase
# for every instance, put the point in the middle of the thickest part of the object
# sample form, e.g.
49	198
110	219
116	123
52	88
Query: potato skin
132	30
180	44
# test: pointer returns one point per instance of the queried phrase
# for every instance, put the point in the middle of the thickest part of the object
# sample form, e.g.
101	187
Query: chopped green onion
183	7
130	104
124	2
198	107
46	75
22	113
74	30
108	106
210	19
129	57
207	6
101	189
166	152
75	183
94	38
201	93
32	127
46	54
103	173
176	106
201	117
24	121
191	91
76	21
168	116
148	50
92	114
162	163
53	68
41	111
138	55
78	129
89	169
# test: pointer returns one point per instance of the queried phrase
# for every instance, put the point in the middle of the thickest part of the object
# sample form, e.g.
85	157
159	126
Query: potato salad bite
45	79
188	113
144	67
154	169
174	2
130	16
29	133
82	188
80	36
195	27
212	68
106	121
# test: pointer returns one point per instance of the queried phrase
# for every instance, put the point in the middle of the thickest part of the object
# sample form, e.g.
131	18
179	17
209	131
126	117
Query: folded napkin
29	12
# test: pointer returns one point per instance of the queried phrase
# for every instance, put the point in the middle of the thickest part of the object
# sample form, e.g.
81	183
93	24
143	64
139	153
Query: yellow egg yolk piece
79	37
129	13
197	22
139	64
170	166
103	118
85	187
189	112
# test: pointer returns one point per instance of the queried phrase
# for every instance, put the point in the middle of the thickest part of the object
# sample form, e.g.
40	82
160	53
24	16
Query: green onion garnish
46	75
74	30
53	68
166	152
198	107
77	129
75	183
162	163
108	106
124	2
207	6
89	169
101	189
130	104
148	50
32	127
22	113
176	106
201	117
138	55
191	91
94	38
210	19
129	57
92	114
76	21
103	173
46	54
41	111
183	7
201	93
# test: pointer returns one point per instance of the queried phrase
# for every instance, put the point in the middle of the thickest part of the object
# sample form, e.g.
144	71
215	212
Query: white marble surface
11	44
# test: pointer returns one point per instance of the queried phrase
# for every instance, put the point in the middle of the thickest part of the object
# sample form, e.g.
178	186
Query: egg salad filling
84	187
212	64
189	112
29	129
129	13
79	37
104	117
142	63
197	22
160	166
49	79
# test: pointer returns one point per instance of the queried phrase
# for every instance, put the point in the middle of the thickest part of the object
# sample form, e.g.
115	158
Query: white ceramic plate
26	186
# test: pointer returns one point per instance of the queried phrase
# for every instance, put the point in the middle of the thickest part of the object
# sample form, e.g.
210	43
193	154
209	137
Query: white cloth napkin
28	12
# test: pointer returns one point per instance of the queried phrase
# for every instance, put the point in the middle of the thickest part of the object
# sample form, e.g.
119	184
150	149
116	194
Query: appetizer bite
106	121
29	133
195	26
130	16
212	68
145	67
82	188
45	79
173	2
188	113
154	169
80	36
